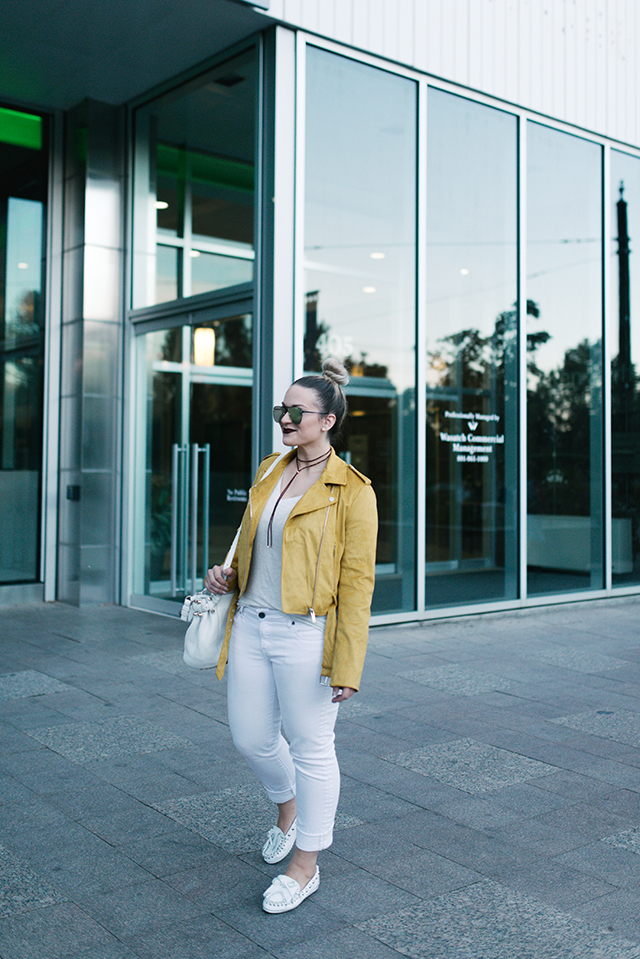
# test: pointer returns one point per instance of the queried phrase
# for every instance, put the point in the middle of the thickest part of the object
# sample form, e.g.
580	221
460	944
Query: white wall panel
574	60
344	20
634	71
571	71
361	18
511	52
460	10
597	112
421	33
501	79
620	55
326	17
523	45
448	29
390	31
477	49
577	79
556	32
375	18
542	52
406	31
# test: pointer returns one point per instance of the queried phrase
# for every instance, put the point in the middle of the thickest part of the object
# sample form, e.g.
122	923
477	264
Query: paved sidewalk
490	806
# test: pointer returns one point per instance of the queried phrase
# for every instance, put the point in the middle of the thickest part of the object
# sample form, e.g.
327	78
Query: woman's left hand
341	693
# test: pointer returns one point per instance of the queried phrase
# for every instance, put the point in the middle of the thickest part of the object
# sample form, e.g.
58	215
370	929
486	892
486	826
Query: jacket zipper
312	612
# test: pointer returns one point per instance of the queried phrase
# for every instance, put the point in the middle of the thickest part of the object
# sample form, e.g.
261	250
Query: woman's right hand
218	580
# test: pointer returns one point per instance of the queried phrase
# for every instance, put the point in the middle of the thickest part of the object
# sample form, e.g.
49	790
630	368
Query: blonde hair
328	387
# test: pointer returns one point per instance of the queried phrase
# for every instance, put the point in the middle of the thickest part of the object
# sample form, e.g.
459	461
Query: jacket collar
317	496
334	473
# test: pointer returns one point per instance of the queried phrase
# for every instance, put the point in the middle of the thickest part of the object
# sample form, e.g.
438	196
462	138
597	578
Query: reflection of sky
627	169
472	217
361	199
564	233
24	255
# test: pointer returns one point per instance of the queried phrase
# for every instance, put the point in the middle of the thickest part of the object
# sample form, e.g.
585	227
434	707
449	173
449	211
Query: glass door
23	194
194	467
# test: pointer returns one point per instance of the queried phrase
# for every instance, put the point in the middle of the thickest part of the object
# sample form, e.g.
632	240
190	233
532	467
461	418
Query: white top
264	589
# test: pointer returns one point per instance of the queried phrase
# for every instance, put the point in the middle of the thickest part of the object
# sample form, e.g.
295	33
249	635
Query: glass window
472	293
360	283
564	358
209	271
625	378
23	177
194	186
167	273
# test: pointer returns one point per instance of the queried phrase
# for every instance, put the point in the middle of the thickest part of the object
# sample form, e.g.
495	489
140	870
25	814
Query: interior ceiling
54	53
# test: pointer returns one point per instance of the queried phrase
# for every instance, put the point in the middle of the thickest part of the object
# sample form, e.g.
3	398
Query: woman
297	630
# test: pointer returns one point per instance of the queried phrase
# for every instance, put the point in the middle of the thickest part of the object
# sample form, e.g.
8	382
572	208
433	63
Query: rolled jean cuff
313	843
281	795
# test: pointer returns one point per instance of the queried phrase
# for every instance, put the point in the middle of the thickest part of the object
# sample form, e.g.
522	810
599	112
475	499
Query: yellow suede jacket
328	560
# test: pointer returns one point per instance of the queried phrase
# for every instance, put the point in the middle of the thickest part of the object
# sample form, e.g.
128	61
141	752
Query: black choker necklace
307	465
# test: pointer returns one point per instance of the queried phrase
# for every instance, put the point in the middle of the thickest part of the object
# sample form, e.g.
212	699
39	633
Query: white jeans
273	679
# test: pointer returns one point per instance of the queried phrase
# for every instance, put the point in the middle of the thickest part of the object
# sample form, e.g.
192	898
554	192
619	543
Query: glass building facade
471	262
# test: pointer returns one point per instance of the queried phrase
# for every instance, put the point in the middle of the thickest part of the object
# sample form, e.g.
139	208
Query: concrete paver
490	802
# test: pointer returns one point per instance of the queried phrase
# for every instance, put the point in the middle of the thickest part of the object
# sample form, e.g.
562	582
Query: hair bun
333	370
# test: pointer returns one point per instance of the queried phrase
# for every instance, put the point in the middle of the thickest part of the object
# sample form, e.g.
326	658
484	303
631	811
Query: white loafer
279	844
285	893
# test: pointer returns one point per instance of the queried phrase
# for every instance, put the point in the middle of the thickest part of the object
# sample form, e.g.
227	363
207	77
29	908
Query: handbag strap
232	551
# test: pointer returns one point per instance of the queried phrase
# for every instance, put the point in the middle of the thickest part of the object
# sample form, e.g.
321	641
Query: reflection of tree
473	361
172	345
313	331
362	368
624	395
312	355
625	426
466	499
25	318
234	342
559	403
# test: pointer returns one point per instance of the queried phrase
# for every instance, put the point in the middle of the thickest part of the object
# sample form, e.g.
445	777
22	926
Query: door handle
175	456
206	490
195	449
194	509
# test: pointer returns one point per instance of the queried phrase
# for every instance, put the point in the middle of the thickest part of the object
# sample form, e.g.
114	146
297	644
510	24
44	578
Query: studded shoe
279	844
285	893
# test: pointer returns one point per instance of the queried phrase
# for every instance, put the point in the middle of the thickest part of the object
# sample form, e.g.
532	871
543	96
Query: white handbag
207	615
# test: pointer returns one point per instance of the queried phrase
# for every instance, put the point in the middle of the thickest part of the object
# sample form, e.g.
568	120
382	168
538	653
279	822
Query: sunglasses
295	413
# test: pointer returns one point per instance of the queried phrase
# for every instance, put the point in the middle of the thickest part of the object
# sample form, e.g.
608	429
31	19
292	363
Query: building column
92	344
